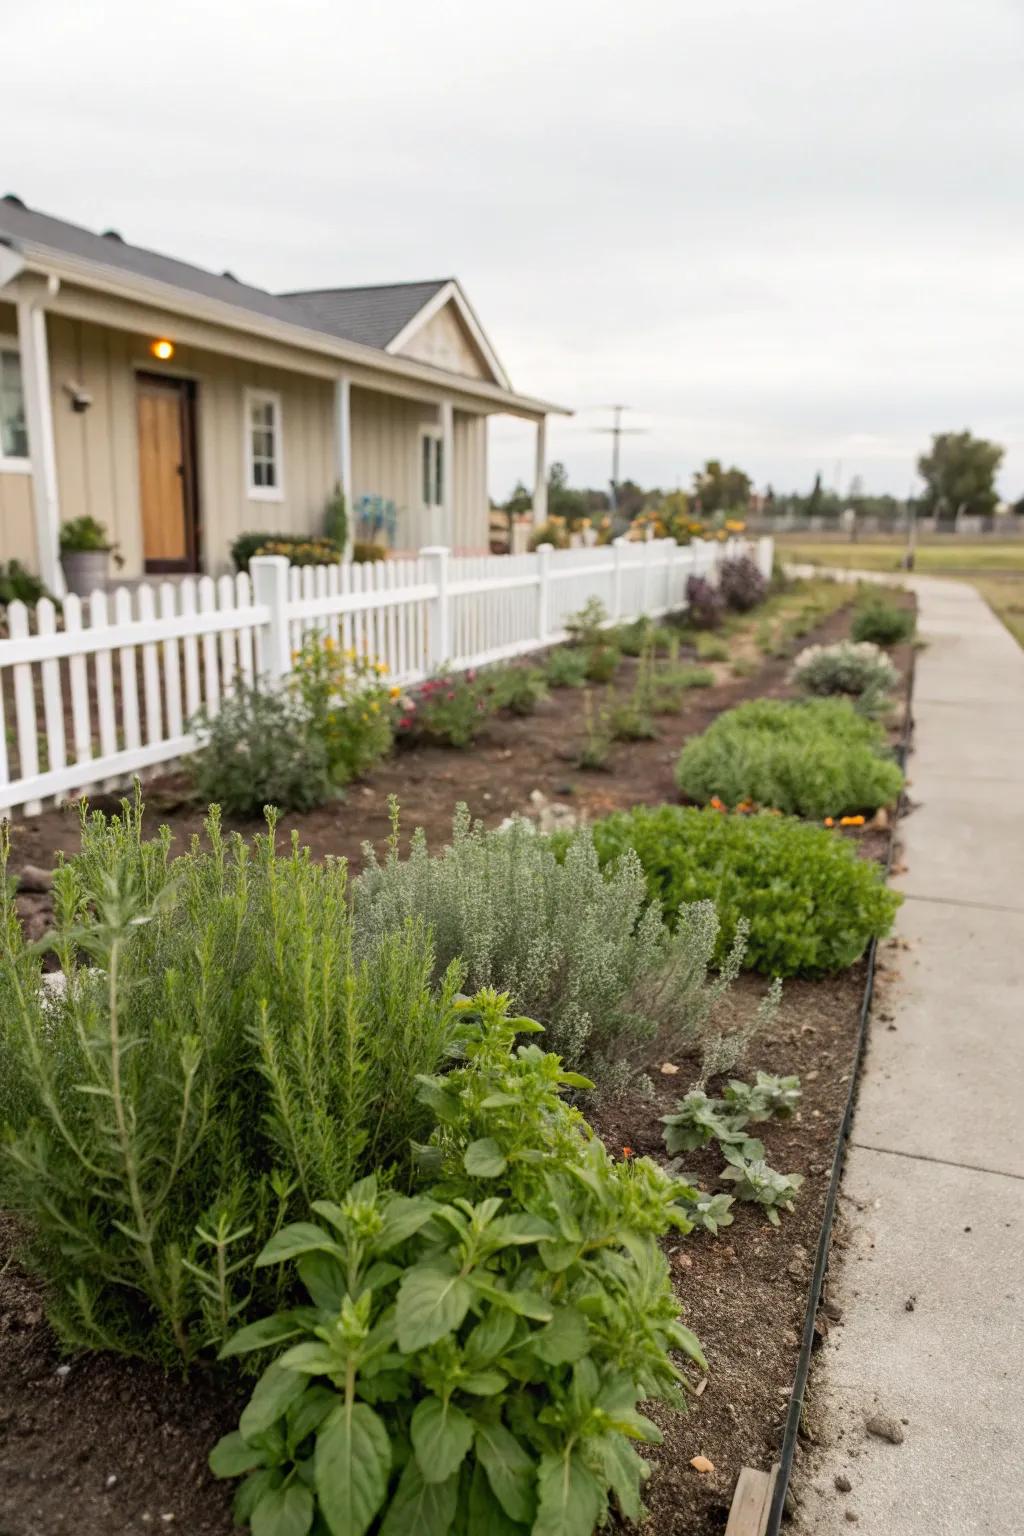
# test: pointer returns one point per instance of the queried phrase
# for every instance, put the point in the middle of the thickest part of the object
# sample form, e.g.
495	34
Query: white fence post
435	559
765	555
543	591
270	589
619	547
645	600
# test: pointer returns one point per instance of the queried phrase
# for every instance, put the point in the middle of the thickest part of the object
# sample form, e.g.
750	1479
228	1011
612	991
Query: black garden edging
796	1401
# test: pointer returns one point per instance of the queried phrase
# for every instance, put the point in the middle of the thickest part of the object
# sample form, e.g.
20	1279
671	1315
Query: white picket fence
107	687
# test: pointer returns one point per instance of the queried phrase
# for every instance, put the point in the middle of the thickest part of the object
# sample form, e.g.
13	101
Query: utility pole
617	431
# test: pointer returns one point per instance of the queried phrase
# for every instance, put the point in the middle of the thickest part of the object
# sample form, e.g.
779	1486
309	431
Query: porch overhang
110	296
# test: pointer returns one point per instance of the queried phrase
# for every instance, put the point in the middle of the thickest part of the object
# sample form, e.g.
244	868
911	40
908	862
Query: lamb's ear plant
756	1182
767	1098
472	1356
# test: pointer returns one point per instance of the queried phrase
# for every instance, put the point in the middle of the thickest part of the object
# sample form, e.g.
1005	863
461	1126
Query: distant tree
959	473
520	501
721	490
563	501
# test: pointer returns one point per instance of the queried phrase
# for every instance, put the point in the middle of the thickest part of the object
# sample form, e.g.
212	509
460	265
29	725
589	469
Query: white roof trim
453	294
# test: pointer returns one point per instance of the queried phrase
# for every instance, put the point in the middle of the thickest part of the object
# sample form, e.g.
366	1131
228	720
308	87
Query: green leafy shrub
587	627
811	904
566	668
258	751
882	622
449	708
596	746
517	689
474	1356
663	688
348	705
643	635
17	585
584	954
859	670
757	1182
366	552
82	534
602	663
300	549
221	1061
816	758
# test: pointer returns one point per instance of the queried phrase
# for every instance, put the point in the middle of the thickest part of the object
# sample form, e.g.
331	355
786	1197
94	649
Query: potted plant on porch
85	552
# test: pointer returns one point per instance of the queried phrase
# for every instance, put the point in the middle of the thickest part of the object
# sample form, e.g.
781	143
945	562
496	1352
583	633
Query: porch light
162	349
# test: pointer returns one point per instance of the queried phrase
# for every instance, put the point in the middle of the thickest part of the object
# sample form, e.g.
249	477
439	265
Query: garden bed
111	1445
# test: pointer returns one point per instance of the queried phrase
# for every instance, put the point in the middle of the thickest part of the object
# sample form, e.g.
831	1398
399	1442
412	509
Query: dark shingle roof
373	315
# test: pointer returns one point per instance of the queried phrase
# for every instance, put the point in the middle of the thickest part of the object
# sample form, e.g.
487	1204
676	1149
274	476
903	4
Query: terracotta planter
85	570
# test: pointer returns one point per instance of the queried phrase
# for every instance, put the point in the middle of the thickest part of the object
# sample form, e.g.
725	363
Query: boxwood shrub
815	758
811	903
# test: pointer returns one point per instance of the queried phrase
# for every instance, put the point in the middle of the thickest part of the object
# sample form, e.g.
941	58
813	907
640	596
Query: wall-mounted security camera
80	398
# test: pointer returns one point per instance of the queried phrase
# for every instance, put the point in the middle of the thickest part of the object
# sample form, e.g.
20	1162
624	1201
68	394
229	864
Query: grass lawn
994	567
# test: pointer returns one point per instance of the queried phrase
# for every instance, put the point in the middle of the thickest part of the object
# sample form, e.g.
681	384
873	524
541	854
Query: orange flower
627	1151
717	804
851	821
829	822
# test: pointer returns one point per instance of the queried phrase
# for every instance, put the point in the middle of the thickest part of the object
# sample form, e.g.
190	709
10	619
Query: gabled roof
374	314
20	223
379	318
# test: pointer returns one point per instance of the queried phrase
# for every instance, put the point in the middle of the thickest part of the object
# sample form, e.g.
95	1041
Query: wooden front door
167	478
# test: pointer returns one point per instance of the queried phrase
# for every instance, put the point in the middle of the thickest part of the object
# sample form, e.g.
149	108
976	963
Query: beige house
181	407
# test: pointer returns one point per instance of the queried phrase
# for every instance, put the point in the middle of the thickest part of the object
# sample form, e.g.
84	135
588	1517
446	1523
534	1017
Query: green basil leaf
565	1339
441	1435
403	1218
570	1501
352	1462
274	1393
298	1237
484	1514
283	1512
420	1508
431	1302
491	1337
484	1383
625	1471
268	1331
324	1279
233	1455
484	1159
510	1470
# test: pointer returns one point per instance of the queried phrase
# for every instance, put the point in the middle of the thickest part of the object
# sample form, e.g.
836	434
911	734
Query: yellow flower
350	655
394	693
380	667
374	707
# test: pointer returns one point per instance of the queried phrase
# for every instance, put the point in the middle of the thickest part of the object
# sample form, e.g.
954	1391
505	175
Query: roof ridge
408	282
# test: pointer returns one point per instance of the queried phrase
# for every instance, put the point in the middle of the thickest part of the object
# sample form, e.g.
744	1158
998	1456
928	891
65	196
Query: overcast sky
787	233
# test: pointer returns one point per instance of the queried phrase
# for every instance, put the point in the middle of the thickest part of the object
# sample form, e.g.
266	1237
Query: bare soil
98	1445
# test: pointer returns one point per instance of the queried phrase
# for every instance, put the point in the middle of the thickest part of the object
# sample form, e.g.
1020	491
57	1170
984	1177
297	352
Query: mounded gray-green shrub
589	957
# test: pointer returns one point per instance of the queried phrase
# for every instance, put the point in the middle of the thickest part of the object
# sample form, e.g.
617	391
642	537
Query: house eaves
115	281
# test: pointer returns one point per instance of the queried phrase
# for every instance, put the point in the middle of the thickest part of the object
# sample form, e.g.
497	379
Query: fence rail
107	686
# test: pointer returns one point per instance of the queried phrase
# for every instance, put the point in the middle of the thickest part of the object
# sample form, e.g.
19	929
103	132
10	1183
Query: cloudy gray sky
788	233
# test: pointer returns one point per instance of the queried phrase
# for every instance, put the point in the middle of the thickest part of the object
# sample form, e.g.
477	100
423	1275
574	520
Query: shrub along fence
106	686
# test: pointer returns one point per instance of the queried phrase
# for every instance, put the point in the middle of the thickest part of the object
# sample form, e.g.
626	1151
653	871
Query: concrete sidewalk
931	1280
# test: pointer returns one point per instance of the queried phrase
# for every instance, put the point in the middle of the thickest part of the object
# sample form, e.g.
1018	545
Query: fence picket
192	640
52	689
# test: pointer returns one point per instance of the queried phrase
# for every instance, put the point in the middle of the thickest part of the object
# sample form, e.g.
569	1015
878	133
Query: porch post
35	368
447	417
343	452
540	474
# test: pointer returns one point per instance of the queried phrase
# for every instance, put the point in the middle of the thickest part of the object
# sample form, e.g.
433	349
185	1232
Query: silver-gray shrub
857	669
584	952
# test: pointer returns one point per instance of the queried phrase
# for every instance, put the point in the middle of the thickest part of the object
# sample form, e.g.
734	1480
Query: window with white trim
13	428
432	468
263	444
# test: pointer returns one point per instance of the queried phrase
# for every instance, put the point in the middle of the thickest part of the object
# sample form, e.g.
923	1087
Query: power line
617	431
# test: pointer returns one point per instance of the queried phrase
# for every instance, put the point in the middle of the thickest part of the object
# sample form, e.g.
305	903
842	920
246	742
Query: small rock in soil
910	1303
885	1428
832	1310
843	1483
852	1517
701	1464
795	1270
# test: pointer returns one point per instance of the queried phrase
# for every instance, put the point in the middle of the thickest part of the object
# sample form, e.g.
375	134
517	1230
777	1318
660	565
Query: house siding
445	343
98	464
